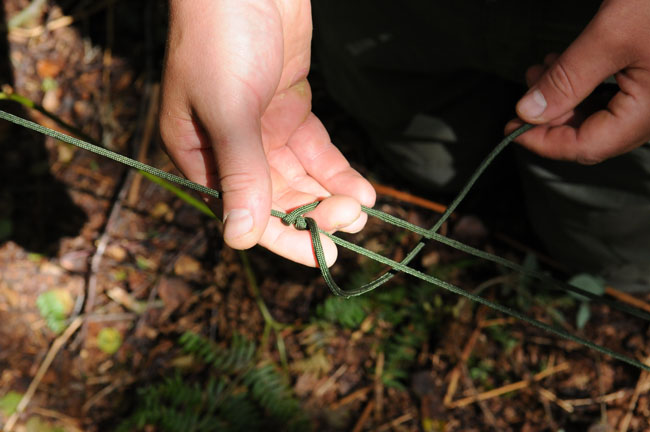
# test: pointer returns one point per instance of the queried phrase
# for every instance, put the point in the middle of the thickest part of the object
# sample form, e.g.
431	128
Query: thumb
244	179
572	77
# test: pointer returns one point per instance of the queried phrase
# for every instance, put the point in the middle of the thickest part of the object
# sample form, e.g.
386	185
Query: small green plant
9	402
49	84
404	316
37	424
592	284
401	350
35	257
481	371
530	292
175	404
348	313
109	340
55	306
504	337
239	394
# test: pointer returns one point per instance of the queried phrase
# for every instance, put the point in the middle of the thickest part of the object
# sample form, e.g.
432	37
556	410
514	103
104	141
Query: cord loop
295	217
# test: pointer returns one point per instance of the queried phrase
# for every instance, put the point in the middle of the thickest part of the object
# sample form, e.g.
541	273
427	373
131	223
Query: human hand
616	42
236	116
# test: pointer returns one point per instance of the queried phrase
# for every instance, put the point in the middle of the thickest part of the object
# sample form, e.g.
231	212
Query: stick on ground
508	388
33	386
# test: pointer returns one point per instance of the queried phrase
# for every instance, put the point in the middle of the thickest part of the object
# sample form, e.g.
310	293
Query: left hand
616	42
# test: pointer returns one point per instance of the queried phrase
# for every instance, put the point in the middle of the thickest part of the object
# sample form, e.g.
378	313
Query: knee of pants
594	218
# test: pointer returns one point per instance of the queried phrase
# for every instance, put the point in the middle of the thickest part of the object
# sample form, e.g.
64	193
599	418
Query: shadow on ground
36	211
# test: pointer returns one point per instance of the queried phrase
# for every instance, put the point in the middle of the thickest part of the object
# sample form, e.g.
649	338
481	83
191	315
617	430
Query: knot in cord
295	217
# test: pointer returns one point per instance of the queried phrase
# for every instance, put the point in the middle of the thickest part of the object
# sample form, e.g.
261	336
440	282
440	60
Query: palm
237	106
304	165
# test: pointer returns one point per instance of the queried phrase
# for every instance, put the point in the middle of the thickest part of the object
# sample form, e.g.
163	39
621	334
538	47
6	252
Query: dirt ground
119	252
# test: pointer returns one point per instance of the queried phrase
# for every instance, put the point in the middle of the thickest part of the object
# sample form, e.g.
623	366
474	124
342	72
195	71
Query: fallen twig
45	365
454	376
487	412
547	394
101	394
320	391
509	388
379	385
626	298
610	397
642	385
147	134
396	422
362	393
409	198
358	427
71	424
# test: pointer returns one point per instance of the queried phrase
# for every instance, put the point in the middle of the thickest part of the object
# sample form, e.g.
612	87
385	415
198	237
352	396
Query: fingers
293	187
604	134
572	76
325	163
331	214
243	176
232	162
296	245
621	127
614	43
220	147
223	65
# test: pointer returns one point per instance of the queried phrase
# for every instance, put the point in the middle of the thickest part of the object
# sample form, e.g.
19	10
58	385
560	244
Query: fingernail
237	223
532	105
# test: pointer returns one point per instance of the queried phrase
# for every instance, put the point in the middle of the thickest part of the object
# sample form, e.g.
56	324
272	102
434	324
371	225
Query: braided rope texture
297	219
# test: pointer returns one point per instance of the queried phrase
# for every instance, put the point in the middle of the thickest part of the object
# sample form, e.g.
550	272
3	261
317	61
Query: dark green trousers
434	84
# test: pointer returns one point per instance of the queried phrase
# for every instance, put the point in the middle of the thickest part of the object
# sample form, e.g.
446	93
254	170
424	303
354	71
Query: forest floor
102	271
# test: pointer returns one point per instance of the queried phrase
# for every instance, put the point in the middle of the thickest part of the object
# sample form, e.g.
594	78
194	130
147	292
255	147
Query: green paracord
300	222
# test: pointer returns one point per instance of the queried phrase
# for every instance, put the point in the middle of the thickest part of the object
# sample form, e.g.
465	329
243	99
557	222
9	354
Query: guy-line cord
296	219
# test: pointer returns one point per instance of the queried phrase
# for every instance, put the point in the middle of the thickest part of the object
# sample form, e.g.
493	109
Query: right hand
614	43
236	116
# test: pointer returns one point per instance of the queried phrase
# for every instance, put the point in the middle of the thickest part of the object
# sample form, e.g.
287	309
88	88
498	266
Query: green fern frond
176	405
272	392
349	313
237	357
242	397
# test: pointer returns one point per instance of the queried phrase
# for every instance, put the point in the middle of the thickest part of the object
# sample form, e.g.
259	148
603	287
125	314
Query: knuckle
562	81
239	182
181	134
